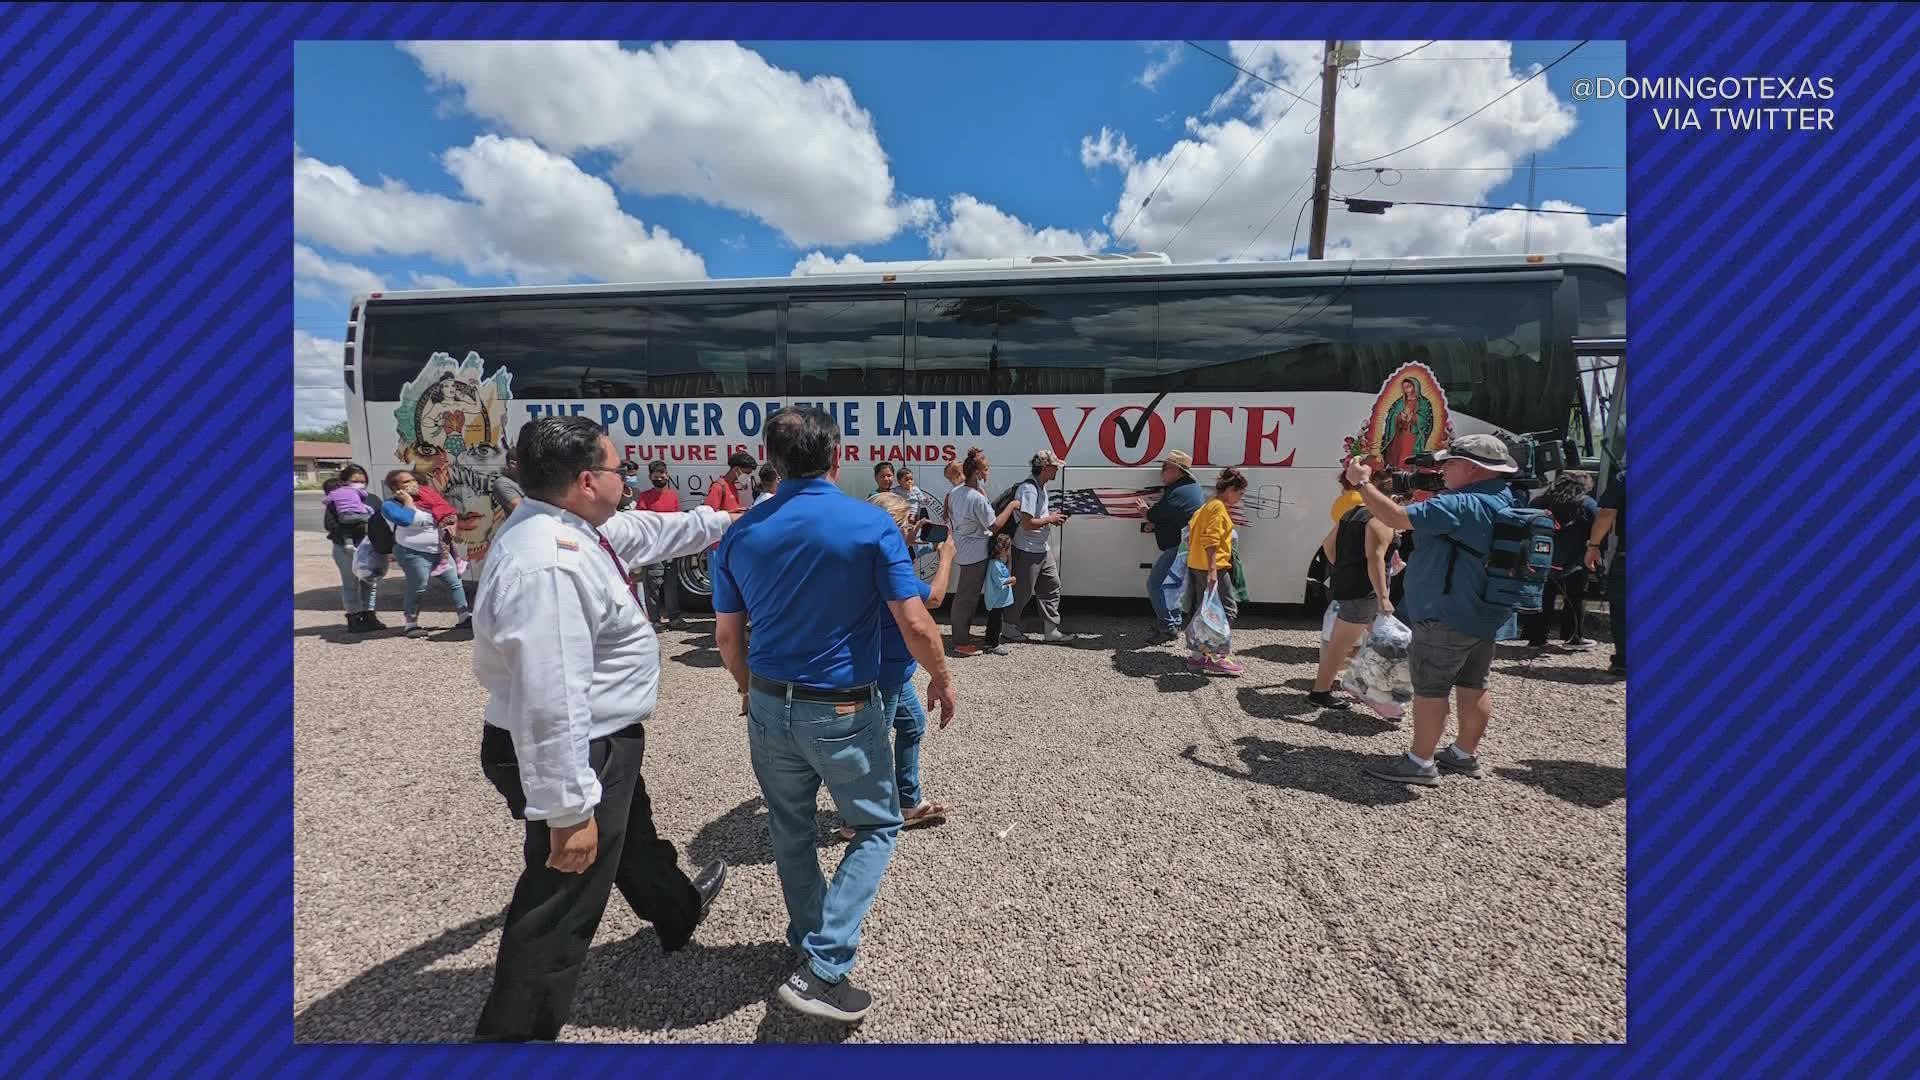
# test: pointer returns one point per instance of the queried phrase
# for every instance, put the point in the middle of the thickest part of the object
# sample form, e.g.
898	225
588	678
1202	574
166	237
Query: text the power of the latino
1722	102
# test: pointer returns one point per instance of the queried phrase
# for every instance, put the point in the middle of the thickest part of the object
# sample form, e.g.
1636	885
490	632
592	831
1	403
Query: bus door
1599	433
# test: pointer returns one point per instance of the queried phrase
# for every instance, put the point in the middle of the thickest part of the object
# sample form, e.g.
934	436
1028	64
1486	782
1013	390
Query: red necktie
607	547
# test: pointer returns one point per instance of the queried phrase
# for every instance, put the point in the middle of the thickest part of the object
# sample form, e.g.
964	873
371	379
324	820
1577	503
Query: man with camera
1453	628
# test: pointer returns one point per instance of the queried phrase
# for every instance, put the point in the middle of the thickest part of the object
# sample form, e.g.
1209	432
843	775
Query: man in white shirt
1036	572
571	665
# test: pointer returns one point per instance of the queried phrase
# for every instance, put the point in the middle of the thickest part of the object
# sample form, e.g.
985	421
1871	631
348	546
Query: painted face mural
452	423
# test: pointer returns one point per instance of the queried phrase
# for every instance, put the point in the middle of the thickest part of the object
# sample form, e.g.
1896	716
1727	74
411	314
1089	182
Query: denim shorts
1362	610
1442	658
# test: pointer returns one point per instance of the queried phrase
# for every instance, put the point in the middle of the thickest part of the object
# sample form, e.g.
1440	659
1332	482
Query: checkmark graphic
1130	433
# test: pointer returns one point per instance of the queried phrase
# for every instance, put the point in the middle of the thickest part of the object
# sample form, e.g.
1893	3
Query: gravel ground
1135	854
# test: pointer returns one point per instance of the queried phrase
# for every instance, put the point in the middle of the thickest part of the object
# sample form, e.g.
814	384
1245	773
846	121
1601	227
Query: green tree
336	433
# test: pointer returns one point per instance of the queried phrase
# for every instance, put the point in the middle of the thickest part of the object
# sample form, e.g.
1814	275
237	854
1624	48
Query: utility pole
1533	168
1323	166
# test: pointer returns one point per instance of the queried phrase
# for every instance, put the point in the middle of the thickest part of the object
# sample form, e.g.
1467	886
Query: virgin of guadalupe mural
451	423
1409	416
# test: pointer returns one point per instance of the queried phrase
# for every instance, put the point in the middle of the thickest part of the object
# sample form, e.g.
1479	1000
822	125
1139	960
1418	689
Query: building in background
315	461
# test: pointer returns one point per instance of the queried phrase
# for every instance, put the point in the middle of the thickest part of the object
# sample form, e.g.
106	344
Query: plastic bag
1326	624
1177	576
1208	634
368	564
1379	676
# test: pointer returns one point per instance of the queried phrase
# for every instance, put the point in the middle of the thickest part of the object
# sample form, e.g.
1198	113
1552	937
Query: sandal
927	811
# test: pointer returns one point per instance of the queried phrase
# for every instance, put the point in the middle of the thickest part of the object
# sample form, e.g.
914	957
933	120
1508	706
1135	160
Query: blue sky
482	164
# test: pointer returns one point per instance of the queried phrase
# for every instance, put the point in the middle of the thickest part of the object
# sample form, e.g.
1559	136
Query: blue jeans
795	745
355	595
1165	599
418	566
902	703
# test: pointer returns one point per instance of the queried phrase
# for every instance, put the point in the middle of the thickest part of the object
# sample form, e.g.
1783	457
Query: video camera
1423	476
1536	457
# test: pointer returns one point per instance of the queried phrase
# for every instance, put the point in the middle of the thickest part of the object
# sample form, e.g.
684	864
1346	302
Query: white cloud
1107	148
322	278
319	396
706	120
980	230
1394	106
434	281
527	214
1166	57
820	262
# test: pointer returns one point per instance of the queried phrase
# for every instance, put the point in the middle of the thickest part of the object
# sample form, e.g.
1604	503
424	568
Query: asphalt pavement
307	512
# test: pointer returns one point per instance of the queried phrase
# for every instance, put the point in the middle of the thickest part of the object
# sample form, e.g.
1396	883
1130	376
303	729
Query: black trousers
1571	593
994	619
552	917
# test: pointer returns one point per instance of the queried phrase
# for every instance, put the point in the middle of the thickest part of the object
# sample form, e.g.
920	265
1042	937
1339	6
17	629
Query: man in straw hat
1180	497
1452	640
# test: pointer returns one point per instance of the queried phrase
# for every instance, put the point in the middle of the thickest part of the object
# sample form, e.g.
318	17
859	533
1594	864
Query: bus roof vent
1149	257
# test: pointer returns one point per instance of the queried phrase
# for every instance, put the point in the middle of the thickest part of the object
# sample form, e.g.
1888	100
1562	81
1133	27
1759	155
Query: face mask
358	486
659	481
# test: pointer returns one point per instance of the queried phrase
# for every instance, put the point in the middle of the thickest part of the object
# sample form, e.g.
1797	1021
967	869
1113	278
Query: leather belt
810	693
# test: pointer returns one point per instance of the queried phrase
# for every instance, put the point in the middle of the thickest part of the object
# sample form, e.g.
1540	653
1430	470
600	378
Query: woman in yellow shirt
1209	553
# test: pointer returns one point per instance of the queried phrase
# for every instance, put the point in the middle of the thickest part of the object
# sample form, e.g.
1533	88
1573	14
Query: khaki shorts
1442	658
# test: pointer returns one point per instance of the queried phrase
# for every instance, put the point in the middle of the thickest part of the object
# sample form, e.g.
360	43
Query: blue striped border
145	215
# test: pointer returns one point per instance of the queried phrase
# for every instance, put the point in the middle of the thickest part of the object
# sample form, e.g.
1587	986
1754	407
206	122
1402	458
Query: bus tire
695	581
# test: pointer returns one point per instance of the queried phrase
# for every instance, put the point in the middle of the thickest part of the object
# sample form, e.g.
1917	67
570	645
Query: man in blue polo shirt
1453	629
812	568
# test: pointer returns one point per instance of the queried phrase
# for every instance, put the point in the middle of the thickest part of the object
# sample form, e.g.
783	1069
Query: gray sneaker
1452	760
998	650
1402	770
1013	634
809	993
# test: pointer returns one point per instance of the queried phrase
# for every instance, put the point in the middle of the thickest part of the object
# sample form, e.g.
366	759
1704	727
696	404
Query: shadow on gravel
783	1025
337	634
1576	676
1581	783
1283	654
699	658
392	591
1167	670
740	836
627	984
1317	770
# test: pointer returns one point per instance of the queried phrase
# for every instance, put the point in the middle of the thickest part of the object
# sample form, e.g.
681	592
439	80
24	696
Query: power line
1249	74
1470	115
1480	206
1181	149
1294	240
1489	168
1236	168
1390	59
1273	216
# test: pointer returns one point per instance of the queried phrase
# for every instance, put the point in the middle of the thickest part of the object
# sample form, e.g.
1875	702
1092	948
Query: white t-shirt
972	522
1033	500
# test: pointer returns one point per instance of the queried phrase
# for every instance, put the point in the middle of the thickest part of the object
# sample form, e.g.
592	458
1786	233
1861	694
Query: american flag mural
1119	502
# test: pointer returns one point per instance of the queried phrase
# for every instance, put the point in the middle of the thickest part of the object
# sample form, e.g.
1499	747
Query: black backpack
380	532
1005	498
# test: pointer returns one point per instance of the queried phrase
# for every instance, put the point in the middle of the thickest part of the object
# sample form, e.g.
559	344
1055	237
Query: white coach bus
1283	370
